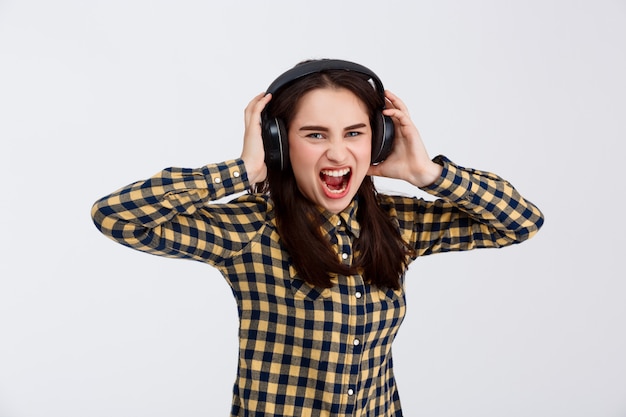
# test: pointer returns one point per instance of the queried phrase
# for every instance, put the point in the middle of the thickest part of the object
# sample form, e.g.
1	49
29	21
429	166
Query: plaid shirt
306	351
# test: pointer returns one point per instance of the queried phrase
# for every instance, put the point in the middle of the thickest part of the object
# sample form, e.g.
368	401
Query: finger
254	101
251	112
396	102
374	171
262	102
259	104
400	116
248	111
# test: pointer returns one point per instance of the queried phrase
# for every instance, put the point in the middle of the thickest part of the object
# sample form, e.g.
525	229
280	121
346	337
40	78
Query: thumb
374	170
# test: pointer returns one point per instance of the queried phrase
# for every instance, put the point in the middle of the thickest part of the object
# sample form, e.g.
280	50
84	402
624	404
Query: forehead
330	103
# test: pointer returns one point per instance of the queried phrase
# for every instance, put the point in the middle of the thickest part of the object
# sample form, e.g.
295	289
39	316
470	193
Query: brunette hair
381	254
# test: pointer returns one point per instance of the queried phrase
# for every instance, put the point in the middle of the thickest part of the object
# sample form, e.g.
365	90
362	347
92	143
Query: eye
315	136
353	134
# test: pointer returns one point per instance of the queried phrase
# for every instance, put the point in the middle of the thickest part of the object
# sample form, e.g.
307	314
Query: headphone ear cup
383	135
275	142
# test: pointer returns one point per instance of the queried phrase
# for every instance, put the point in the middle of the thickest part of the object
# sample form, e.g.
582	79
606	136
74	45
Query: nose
337	151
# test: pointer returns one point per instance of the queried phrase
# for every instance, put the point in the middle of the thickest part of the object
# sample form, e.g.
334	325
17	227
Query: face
330	146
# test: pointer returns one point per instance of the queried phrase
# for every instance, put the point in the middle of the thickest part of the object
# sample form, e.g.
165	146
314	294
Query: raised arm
475	208
169	214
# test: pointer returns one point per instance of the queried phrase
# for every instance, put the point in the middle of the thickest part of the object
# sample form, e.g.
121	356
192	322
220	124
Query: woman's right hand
253	154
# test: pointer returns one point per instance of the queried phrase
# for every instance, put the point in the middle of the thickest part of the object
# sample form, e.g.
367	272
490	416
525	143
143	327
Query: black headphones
274	131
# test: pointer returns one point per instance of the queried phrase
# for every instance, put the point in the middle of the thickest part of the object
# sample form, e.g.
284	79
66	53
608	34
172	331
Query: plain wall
97	94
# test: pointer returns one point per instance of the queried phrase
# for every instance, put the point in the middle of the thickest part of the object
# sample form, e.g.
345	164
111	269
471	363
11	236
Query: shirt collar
345	218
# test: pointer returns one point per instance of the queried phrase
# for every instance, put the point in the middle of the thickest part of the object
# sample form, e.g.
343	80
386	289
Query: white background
96	94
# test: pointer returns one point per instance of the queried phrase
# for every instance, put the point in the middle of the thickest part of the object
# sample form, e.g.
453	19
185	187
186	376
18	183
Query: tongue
333	182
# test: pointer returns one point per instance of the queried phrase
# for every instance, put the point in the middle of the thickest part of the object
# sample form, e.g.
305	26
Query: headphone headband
311	67
274	131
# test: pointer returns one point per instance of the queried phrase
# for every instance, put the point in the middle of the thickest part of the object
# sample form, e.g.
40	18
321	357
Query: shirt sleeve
474	209
169	214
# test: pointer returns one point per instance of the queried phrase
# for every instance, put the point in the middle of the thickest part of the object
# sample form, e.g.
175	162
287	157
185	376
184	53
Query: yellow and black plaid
306	351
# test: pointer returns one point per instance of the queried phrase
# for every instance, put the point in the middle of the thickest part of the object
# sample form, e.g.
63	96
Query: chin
337	205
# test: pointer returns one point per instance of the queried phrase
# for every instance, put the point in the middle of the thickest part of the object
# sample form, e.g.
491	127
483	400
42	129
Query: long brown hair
381	255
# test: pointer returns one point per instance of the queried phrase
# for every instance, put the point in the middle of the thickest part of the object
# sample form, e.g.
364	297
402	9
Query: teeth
336	173
339	191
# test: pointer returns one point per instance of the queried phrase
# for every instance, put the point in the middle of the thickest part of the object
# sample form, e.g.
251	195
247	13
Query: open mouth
336	181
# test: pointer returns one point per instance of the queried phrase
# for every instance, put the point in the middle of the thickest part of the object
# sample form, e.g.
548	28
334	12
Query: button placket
356	336
343	245
345	253
356	320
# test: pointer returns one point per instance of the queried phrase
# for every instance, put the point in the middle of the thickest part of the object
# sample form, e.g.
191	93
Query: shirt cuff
454	184
225	178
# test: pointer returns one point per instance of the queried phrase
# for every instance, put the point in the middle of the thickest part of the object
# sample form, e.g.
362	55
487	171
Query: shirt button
344	255
339	222
217	180
350	391
236	174
356	342
358	294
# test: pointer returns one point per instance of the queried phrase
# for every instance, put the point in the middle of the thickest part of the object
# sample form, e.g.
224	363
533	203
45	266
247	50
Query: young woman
314	255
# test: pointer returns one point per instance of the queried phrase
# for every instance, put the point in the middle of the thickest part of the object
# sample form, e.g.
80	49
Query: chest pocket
388	303
301	290
386	298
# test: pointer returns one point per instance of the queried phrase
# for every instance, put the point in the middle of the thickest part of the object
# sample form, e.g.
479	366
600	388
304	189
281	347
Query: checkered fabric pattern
306	351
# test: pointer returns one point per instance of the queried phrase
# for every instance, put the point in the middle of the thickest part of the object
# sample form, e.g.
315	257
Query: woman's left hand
408	160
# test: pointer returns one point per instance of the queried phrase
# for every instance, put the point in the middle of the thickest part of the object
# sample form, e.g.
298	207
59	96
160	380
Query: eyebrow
325	129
